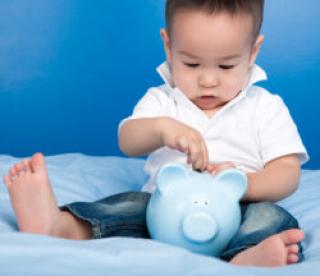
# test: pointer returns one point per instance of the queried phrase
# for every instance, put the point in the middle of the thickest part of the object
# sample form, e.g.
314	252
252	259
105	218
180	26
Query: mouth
206	102
207	98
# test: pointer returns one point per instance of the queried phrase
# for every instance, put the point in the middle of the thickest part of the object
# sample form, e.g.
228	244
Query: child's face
209	56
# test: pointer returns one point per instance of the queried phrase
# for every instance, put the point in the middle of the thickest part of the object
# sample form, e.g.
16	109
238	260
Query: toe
293	249
293	258
292	236
16	168
38	162
27	165
19	167
12	172
7	180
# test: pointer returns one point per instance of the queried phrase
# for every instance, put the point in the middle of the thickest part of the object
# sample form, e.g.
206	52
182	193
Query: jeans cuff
95	225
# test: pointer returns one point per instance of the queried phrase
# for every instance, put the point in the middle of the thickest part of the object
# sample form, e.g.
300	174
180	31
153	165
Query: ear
166	43
256	48
233	182
171	174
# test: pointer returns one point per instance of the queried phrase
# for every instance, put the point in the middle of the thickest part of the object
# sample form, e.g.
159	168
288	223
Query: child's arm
277	180
141	136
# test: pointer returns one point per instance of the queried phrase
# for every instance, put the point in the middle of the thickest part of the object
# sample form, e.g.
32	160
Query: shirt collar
255	74
164	72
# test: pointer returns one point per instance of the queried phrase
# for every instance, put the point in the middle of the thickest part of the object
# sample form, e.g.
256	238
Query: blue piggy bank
198	211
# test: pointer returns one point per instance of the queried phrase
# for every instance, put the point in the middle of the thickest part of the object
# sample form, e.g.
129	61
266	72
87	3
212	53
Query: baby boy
208	114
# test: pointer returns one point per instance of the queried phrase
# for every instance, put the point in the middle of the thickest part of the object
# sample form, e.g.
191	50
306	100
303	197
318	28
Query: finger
224	166
205	156
229	164
183	145
216	168
211	169
196	156
209	166
191	155
198	159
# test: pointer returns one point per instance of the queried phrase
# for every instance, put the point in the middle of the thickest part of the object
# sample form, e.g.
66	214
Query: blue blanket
76	177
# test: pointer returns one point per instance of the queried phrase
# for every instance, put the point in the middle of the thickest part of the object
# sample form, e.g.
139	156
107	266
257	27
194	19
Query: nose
208	79
199	227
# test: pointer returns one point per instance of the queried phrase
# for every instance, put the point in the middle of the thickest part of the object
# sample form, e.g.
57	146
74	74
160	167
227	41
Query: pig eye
206	203
195	202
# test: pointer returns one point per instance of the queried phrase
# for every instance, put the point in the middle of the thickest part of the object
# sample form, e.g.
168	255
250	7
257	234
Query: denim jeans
124	214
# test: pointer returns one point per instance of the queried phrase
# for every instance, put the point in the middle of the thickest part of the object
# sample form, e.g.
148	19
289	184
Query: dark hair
251	7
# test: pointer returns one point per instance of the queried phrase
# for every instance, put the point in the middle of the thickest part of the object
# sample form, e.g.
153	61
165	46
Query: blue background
70	70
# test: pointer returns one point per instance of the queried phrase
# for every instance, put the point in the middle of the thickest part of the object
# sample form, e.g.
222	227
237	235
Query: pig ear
171	174
234	182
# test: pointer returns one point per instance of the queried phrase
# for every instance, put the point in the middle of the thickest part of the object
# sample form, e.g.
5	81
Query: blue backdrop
71	70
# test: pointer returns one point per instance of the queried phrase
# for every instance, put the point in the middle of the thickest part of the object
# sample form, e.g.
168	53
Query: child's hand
179	136
216	168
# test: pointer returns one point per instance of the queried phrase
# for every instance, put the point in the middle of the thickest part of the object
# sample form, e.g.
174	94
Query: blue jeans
124	214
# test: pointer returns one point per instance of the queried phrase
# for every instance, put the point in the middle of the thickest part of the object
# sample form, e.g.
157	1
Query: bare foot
34	202
277	250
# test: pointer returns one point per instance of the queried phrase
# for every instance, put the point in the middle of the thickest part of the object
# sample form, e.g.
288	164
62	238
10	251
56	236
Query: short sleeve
153	104
277	132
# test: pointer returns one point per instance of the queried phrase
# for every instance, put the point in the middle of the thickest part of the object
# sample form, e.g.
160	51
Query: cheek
183	78
236	81
232	85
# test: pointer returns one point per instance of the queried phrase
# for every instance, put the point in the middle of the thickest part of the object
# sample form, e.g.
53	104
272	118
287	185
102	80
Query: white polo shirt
250	130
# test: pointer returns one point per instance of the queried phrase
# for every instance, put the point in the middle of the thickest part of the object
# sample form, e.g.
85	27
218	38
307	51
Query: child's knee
272	214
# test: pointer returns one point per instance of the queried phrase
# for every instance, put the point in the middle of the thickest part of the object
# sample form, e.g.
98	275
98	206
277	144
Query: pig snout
199	227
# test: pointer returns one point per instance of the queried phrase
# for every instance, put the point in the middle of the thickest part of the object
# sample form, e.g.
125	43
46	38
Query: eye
191	65
206	203
226	67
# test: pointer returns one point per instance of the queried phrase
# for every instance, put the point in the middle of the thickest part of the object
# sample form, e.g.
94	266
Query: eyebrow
222	58
188	54
231	57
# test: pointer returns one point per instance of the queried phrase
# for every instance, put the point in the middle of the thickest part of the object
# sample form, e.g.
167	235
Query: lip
206	102
207	99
